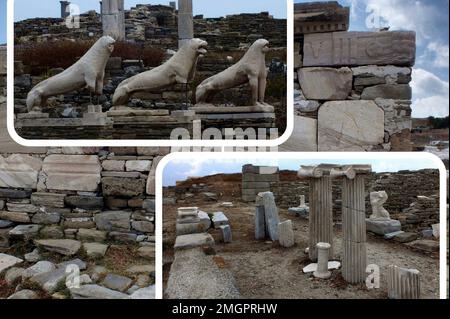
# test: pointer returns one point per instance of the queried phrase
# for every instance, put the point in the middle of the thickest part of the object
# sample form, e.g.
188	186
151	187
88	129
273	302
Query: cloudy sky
430	20
193	166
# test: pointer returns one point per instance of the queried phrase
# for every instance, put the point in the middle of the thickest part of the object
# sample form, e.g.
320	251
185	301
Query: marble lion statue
377	200
250	69
179	69
87	72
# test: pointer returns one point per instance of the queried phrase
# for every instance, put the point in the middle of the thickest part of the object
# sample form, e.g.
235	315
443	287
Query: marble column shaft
185	21
113	19
403	283
354	257
320	215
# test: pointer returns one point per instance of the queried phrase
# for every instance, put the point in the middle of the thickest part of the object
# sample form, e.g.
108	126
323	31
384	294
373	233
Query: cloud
430	94
424	17
440	53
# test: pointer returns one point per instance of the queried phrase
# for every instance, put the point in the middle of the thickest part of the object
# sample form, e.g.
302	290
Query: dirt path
266	270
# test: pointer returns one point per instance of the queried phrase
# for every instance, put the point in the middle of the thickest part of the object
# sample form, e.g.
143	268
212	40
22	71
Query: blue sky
51	8
2	21
430	20
181	169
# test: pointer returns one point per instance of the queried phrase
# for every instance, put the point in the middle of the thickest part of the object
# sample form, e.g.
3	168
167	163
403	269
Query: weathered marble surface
360	48
19	171
71	172
320	83
304	137
350	126
315	17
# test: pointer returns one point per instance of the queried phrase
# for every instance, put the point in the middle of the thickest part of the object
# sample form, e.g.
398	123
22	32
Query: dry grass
62	54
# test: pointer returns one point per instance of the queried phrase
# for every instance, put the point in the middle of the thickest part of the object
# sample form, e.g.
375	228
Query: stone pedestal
403	283
185	22
113	19
323	250
354	260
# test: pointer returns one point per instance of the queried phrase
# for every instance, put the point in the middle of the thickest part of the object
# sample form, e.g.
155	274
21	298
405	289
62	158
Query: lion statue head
196	45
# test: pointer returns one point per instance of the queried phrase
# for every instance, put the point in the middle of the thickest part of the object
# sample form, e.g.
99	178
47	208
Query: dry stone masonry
257	179
352	89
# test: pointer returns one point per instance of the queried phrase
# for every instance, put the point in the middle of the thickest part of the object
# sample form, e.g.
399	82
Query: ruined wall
413	196
157	26
352	89
80	192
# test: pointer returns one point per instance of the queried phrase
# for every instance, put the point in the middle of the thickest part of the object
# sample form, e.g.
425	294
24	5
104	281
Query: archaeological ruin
148	77
352	89
321	232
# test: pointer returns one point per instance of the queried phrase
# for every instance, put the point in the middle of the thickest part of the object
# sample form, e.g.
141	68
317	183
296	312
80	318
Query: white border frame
303	156
151	143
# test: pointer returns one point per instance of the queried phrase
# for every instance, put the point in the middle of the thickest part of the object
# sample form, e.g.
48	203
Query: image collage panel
128	139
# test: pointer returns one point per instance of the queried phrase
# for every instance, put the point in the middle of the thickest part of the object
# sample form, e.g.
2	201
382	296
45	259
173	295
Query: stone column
64	7
354	256
321	215
113	19
403	283
185	22
323	251
320	207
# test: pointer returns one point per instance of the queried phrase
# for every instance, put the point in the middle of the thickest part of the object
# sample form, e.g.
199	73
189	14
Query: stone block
193	240
113	221
226	233
72	172
138	166
85	202
143	226
286	234
22	208
91	235
219	219
350	126
320	83
387	91
113	165
8	261
383	227
19	171
48	199
46	218
127	187
67	247
15	217
304	137
360	48
315	17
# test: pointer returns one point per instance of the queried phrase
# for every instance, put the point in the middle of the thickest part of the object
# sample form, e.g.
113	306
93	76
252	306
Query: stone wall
352	89
258	179
157	26
413	196
80	192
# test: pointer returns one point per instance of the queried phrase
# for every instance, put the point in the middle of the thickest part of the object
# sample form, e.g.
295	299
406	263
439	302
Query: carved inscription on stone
360	48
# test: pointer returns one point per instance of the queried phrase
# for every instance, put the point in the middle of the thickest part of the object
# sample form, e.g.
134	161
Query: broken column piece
286	234
403	283
323	250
